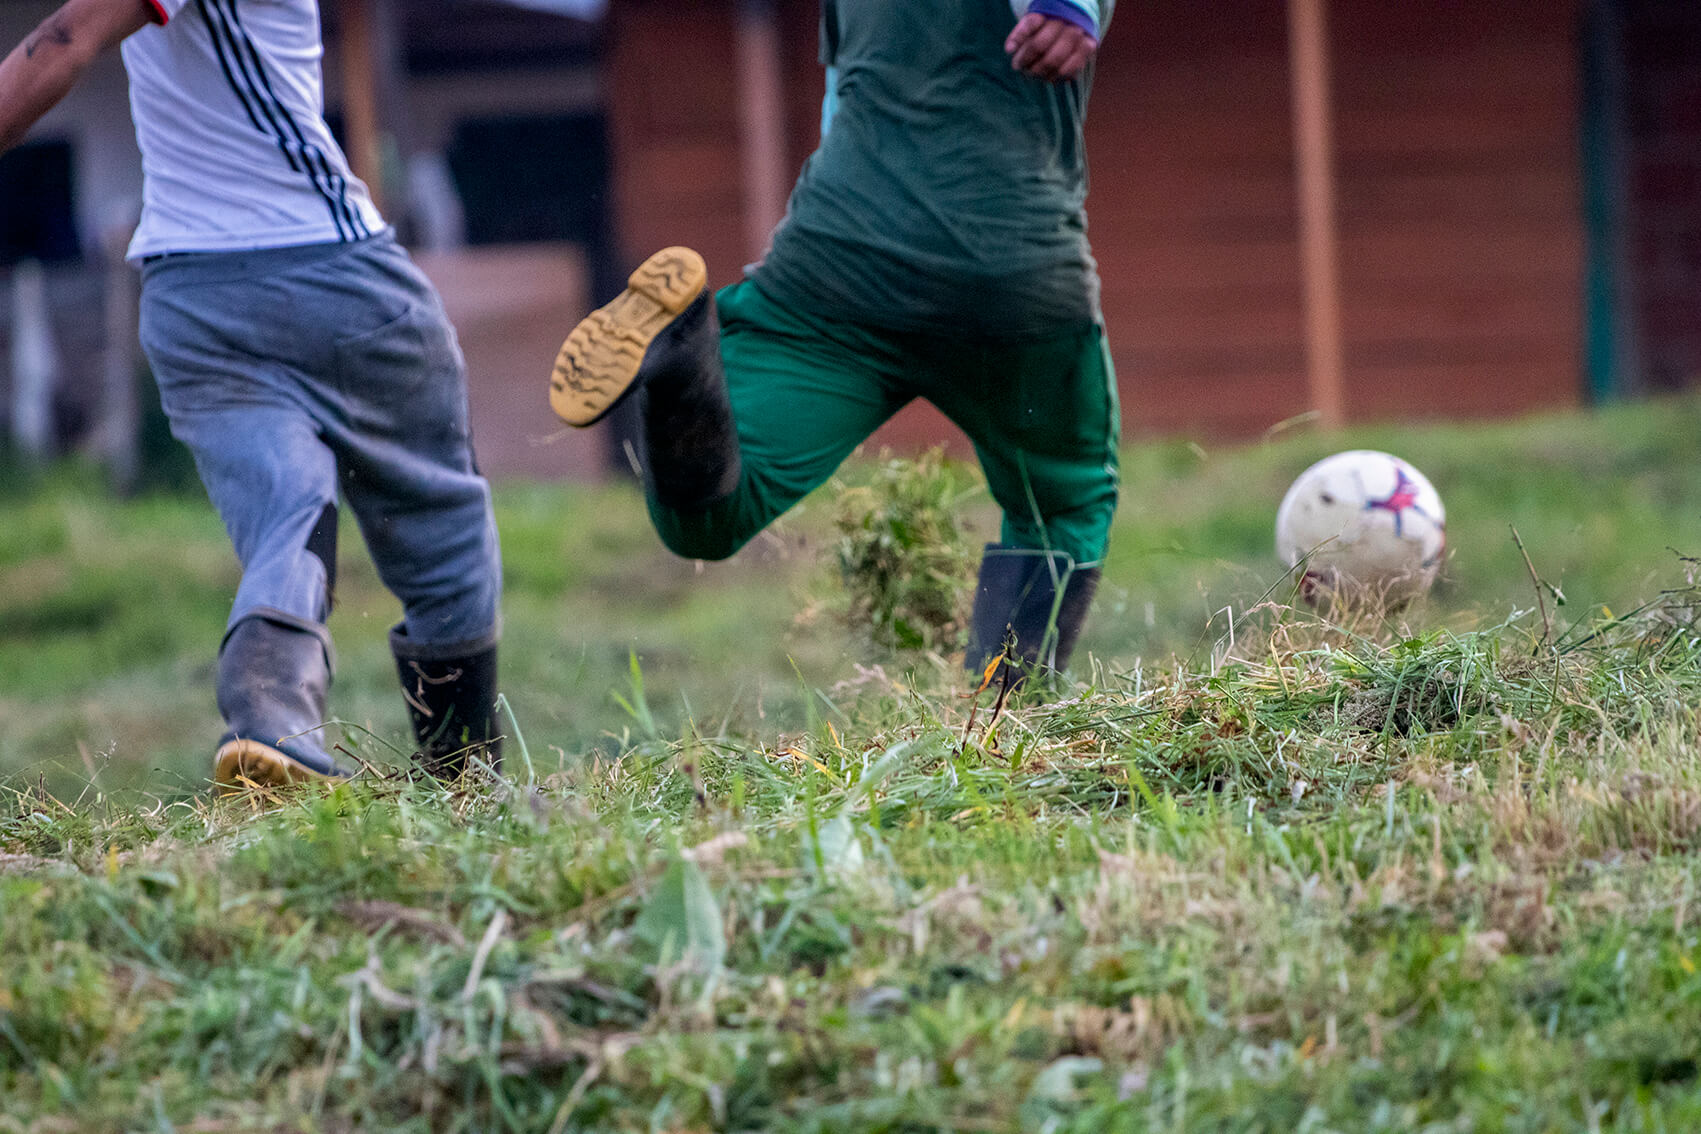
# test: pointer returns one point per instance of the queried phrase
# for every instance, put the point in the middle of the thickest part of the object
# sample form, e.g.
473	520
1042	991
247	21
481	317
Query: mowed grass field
1248	871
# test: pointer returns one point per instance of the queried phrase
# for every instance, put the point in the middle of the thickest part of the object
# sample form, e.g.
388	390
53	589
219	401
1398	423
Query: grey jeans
298	375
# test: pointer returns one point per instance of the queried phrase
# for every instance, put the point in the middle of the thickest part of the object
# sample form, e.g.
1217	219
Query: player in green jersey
934	246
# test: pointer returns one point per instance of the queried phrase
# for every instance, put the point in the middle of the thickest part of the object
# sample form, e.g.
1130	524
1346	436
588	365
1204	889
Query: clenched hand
1049	48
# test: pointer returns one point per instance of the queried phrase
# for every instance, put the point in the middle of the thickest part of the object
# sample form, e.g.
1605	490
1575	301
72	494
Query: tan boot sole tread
599	360
246	764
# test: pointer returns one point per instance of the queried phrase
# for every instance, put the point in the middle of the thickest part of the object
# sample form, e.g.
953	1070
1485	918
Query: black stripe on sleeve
230	76
228	37
330	183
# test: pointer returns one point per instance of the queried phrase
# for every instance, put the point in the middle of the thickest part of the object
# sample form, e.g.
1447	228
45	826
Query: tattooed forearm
53	33
41	70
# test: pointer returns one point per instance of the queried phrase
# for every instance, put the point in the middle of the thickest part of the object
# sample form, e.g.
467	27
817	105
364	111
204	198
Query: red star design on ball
1404	496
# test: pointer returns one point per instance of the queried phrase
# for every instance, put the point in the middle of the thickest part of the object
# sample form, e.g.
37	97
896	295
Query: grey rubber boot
451	699
1018	603
273	681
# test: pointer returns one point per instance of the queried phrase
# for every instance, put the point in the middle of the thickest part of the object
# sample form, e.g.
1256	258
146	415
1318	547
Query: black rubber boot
451	698
273	681
659	339
690	454
1017	605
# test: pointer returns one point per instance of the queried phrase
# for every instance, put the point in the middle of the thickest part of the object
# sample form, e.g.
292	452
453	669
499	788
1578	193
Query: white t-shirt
228	103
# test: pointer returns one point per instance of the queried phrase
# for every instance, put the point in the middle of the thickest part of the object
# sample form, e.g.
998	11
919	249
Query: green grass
1429	873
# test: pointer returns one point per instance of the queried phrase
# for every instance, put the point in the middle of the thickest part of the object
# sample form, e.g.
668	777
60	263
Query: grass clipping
907	565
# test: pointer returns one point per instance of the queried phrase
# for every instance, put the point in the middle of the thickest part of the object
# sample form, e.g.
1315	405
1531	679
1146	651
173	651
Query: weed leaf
683	916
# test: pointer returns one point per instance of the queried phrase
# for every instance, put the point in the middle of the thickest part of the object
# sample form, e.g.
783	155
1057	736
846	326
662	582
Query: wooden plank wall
673	125
1192	216
1458	190
1460	222
1460	205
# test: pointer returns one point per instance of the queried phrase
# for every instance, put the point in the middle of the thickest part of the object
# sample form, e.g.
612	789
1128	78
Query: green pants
807	391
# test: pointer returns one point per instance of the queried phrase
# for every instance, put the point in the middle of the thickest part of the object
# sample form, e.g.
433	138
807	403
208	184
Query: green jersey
949	190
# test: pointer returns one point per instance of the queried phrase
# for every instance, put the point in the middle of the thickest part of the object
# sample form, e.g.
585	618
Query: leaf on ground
682	916
1058	1082
836	851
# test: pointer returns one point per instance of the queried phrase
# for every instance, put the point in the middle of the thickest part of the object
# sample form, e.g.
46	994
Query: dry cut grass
1339	878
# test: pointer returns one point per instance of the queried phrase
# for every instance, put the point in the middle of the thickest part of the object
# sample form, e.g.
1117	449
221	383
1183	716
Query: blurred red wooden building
1364	209
1449	208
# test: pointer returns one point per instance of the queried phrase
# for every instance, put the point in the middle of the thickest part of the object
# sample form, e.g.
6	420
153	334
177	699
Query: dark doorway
532	178
36	190
1642	159
1662	86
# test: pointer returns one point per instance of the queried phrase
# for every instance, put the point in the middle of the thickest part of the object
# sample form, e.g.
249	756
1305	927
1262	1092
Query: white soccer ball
1362	525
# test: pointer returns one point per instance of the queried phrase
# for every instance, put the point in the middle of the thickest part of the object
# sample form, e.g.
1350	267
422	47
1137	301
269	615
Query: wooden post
1319	241
35	363
117	438
761	122
1611	364
360	72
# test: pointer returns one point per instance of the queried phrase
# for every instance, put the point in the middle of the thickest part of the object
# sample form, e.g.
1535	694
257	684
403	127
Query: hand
1049	48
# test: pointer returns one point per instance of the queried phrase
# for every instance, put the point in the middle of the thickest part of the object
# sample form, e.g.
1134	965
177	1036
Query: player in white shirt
228	107
303	359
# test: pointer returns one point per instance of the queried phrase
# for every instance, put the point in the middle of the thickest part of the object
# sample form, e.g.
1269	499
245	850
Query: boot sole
596	366
243	765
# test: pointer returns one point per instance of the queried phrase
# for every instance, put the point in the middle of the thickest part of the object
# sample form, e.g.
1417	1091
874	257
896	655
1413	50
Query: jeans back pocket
406	376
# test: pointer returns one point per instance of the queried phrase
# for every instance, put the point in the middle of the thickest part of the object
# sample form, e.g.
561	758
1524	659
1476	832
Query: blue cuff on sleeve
1063	10
830	101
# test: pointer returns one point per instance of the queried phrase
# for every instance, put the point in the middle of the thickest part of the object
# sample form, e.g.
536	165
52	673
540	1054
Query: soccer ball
1362	525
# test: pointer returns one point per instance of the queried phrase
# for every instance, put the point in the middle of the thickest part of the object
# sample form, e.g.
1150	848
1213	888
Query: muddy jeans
300	375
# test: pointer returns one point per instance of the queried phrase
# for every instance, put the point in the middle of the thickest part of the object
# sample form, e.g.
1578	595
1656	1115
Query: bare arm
47	64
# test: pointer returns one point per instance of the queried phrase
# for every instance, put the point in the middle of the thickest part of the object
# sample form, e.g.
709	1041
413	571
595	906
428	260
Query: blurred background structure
1343	207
